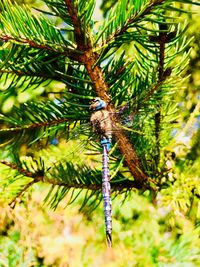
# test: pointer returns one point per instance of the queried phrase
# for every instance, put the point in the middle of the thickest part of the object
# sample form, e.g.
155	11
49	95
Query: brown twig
20	193
37	177
34	125
17	168
161	39
95	72
57	77
155	87
89	58
134	18
82	40
74	55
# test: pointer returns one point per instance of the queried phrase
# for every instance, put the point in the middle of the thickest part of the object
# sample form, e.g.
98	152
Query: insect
102	125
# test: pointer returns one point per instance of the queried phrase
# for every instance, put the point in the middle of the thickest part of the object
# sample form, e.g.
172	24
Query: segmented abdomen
106	195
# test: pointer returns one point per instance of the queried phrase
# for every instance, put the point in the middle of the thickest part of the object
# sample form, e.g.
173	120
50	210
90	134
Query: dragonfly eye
97	104
94	100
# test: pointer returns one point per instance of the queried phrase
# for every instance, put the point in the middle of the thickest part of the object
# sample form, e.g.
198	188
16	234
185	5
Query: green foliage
29	121
13	255
37	58
143	236
26	27
136	58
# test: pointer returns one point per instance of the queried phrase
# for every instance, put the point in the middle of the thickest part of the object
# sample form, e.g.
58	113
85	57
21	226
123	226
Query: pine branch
33	126
28	67
20	193
162	39
43	76
95	72
155	87
134	18
28	26
87	54
40	177
70	53
19	169
82	40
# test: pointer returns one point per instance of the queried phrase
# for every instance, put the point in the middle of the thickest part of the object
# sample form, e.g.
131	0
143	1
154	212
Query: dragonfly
101	124
101	120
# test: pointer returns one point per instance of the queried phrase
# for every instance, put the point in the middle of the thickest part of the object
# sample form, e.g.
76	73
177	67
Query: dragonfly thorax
100	119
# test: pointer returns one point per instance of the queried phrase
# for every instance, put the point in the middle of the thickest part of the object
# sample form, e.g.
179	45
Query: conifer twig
20	193
56	77
34	125
95	72
134	18
74	55
39	177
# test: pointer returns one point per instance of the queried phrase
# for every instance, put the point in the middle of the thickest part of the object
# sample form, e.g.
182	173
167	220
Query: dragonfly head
97	104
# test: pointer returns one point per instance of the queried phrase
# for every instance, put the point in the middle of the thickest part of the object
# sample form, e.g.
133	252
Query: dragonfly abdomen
106	195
